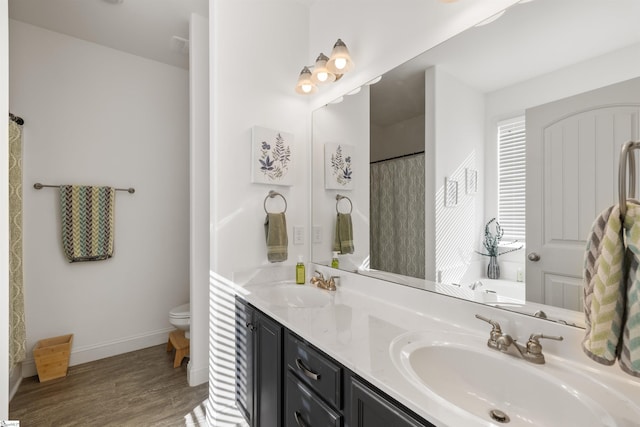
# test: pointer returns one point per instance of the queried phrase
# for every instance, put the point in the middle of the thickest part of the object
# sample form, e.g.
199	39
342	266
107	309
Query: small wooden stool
178	341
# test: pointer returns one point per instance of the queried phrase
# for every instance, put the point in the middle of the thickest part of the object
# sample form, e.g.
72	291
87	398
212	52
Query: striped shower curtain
17	332
397	222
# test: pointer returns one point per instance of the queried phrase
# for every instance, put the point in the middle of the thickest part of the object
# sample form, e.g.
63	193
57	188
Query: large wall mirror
519	119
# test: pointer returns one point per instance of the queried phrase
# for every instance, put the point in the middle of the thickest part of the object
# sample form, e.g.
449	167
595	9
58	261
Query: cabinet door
268	379
244	360
370	409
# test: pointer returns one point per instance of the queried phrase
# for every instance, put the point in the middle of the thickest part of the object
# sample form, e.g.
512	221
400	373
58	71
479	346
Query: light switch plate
317	234
298	235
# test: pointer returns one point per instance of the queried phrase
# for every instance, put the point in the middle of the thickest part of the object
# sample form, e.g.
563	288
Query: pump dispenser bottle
334	261
300	273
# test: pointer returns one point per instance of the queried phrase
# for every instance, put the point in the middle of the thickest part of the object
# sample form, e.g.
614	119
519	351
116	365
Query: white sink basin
292	295
460	371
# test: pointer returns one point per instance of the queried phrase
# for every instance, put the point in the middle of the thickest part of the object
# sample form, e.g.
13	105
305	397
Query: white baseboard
15	379
80	355
197	376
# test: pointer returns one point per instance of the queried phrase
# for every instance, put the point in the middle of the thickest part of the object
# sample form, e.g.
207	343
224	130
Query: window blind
511	178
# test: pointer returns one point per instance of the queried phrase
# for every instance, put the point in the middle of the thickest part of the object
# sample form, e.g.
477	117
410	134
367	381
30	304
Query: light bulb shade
305	85
321	73
340	61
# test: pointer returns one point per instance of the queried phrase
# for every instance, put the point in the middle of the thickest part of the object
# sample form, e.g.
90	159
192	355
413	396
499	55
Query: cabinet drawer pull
299	420
307	372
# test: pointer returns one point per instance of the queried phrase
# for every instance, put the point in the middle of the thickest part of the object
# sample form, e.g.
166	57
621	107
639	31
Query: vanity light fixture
325	70
305	85
321	73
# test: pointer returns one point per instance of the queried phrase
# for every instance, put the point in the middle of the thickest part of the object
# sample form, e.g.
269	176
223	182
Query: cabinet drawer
304	409
315	369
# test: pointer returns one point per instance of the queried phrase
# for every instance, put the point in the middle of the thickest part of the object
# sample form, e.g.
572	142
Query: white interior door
573	149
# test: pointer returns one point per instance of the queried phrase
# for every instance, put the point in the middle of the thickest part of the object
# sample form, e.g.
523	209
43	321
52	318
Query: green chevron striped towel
630	353
87	222
604	288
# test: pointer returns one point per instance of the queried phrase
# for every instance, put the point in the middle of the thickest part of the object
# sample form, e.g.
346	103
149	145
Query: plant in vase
491	244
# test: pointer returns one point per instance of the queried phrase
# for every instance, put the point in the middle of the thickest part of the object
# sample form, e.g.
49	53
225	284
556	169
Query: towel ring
271	195
626	154
340	197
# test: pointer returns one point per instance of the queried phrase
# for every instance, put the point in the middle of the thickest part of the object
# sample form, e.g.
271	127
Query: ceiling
530	39
140	27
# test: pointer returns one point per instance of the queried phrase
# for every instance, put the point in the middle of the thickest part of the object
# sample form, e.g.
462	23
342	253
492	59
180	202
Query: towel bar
271	195
626	154
39	186
340	197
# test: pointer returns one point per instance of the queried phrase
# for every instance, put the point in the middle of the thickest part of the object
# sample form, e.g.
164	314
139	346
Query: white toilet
180	317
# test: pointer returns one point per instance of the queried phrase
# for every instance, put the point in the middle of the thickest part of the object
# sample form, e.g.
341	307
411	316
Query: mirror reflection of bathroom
478	114
105	90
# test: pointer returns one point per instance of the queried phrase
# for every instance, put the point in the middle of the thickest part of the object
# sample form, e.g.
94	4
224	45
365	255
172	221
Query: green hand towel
343	240
604	288
275	227
87	222
630	353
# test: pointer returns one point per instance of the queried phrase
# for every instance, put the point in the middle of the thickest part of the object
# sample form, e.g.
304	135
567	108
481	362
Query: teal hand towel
275	227
630	352
343	240
604	284
87	222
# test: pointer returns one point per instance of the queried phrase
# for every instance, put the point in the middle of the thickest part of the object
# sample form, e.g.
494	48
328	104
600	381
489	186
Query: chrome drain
499	416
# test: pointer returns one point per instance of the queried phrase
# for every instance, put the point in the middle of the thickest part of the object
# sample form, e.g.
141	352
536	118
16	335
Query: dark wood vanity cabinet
259	375
370	408
282	380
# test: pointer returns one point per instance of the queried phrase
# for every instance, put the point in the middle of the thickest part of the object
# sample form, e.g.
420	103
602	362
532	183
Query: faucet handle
534	346
493	323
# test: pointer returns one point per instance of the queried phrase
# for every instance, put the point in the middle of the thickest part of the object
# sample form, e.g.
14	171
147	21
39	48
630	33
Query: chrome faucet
319	281
531	352
475	285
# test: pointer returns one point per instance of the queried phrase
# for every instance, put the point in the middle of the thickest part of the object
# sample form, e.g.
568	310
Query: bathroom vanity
282	379
365	356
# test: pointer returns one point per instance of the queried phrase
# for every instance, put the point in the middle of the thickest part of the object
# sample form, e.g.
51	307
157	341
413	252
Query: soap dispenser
300	273
334	261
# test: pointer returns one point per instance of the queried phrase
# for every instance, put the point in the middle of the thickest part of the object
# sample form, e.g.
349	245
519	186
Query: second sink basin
460	371
292	295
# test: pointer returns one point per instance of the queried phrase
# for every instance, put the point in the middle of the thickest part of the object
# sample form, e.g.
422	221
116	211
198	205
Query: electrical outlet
317	234
298	235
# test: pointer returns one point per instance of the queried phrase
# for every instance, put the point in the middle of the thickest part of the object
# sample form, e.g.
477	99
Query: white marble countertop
365	315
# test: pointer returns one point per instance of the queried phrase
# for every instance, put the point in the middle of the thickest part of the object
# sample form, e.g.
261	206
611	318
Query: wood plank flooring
136	389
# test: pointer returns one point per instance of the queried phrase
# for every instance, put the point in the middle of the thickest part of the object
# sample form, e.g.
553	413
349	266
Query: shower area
17	332
397	215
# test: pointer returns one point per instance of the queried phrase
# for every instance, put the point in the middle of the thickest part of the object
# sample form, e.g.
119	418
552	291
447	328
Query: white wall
343	123
382	34
98	116
199	198
459	146
397	139
257	51
4	211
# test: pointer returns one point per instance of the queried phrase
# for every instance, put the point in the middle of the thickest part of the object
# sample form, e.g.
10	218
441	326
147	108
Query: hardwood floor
136	389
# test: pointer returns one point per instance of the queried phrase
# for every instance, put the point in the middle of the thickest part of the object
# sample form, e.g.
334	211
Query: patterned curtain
397	216
17	335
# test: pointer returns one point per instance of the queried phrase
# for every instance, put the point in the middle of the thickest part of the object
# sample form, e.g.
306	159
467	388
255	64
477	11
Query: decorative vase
493	270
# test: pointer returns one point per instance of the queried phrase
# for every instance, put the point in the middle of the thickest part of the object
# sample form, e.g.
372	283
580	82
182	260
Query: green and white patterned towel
630	353
87	222
604	288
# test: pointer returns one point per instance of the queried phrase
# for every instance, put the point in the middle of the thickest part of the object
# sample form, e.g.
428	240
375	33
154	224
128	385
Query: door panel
573	147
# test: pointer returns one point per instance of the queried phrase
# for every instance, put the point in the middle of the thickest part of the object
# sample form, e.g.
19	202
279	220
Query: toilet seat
181	312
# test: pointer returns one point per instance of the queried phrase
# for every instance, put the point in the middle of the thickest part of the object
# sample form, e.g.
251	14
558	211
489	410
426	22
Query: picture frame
450	193
338	169
271	156
471	180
